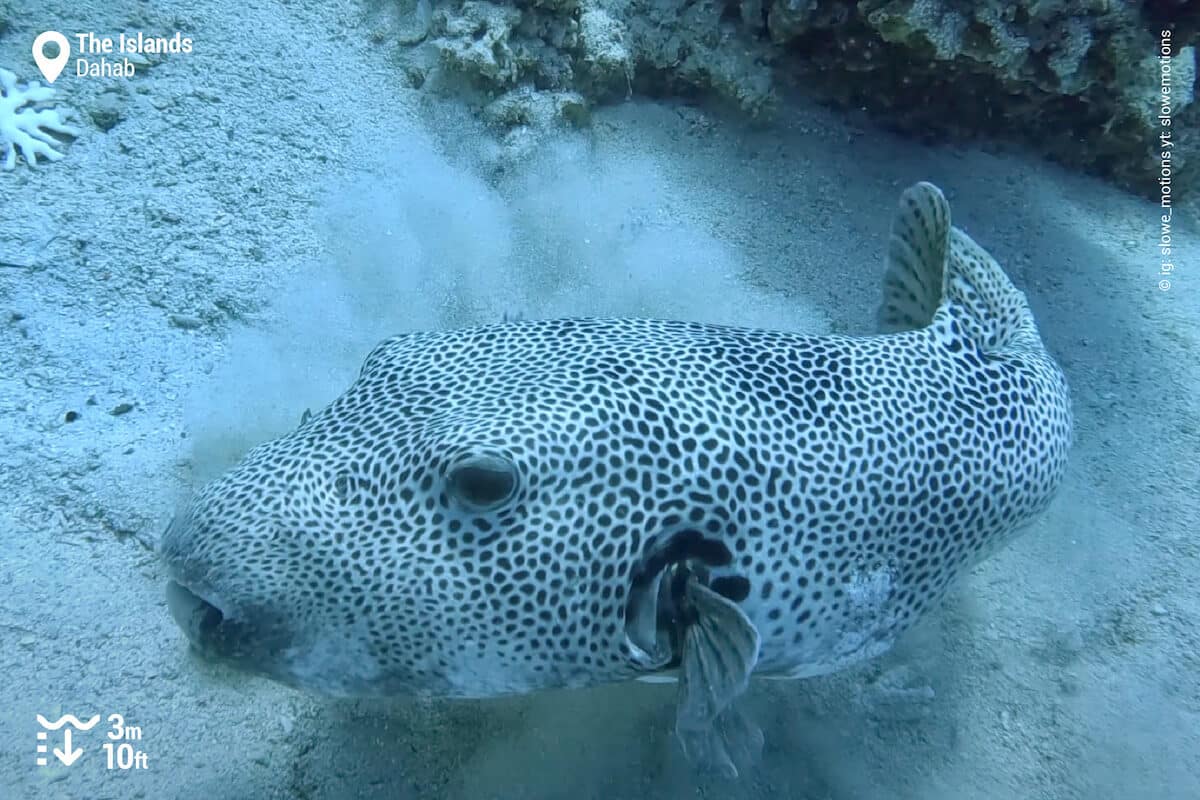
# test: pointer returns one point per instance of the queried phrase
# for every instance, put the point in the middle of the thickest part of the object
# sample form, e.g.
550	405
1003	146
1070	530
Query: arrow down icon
66	755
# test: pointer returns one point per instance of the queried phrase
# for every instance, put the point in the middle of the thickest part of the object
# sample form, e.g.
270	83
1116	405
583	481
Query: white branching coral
28	129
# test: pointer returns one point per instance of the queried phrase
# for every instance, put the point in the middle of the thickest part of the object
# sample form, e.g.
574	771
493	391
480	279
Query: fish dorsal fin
720	650
933	266
916	260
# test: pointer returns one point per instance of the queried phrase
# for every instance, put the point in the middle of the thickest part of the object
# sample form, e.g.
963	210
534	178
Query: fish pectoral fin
743	738
705	750
720	650
719	747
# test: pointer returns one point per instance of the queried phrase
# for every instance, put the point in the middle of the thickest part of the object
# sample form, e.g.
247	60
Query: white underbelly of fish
865	628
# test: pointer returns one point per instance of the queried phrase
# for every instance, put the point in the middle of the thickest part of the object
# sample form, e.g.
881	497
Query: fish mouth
218	633
199	619
258	644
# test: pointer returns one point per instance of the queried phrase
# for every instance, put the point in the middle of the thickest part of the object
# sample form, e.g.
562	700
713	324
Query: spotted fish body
500	509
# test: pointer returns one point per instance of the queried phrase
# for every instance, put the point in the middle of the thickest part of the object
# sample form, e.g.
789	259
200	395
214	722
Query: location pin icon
51	67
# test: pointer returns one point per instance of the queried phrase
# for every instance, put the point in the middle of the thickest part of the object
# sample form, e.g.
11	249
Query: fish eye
483	482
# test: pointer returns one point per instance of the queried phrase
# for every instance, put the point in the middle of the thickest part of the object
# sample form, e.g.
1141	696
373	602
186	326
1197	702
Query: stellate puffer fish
569	502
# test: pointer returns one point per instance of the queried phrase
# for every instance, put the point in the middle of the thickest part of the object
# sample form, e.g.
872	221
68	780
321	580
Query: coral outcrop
1080	80
25	126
